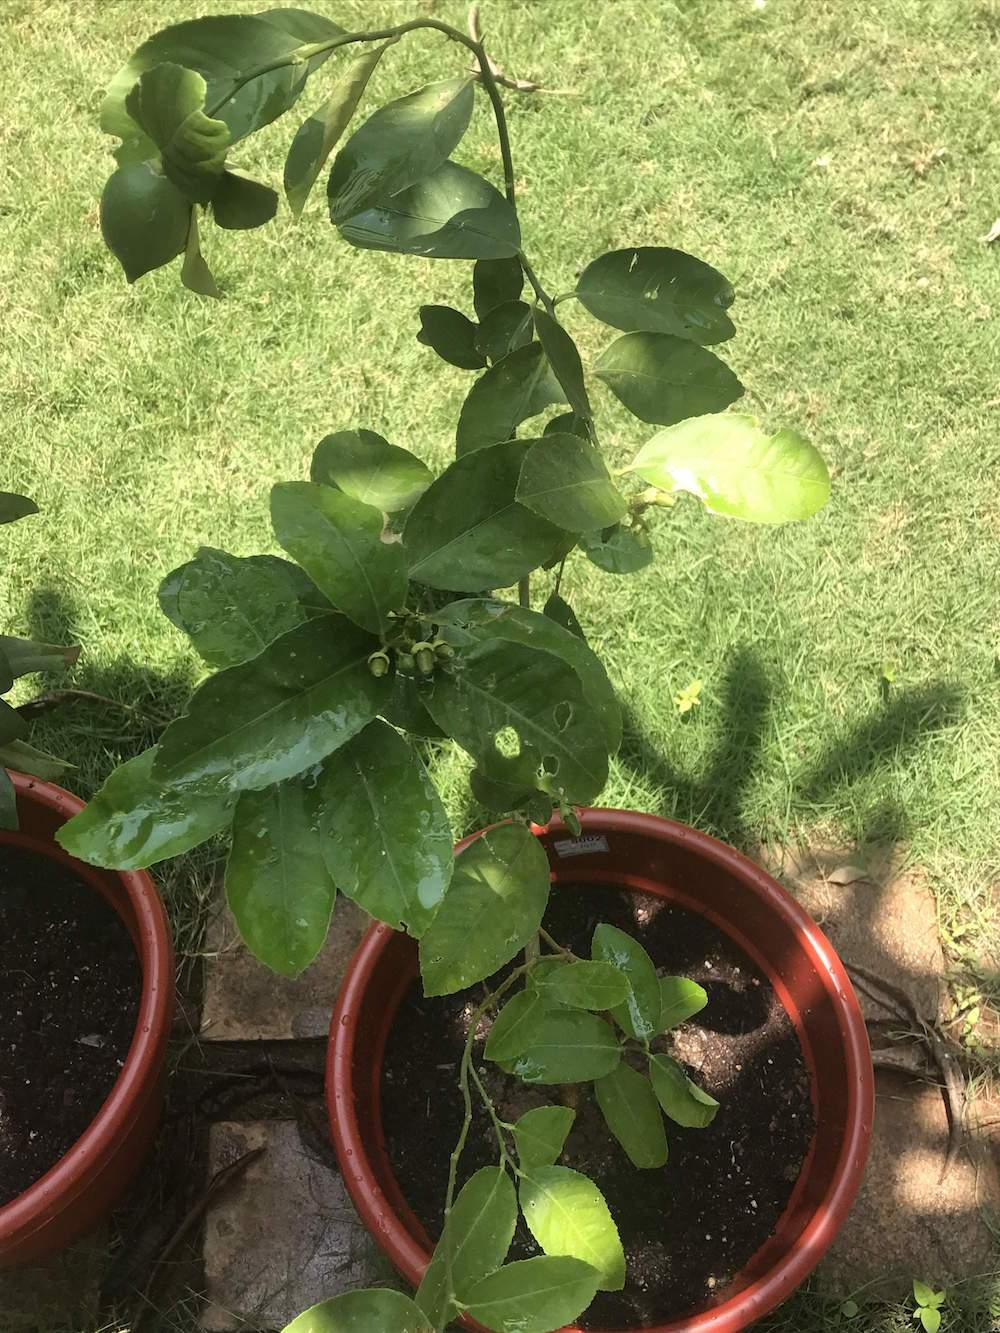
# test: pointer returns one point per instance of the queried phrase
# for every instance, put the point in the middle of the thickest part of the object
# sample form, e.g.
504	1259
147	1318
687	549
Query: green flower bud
442	650
378	663
423	655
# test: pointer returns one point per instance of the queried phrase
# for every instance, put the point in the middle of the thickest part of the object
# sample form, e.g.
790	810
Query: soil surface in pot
687	1228
70	983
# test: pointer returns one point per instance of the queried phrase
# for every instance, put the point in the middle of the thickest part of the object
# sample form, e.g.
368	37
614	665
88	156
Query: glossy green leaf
319	135
168	104
278	886
369	468
495	282
500	683
452	335
585	985
567	423
737	469
618	550
136	819
240	204
271	718
494	906
679	999
27	759
558	609
682	1100
503	330
405	708
378	1310
401	144
532	1295
467	531
632	1113
544	967
338	542
659	289
511	784
540	1135
386	836
567	1214
511	1029
232	607
144	219
24	656
516	388
13	507
665	379
566	481
930	1319
452	214
488	617
479	1232
8	802
223	49
639	1016
566	1046
563	357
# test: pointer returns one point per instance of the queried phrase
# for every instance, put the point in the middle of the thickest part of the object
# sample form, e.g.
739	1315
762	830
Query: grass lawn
839	164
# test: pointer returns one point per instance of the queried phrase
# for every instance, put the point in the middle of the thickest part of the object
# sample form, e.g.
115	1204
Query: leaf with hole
369	468
168	104
514	389
735	468
504	330
562	355
498	894
664	379
144	219
386	837
532	1295
585	985
495	282
682	1100
358	1311
680	998
540	1135
632	1113
338	542
511	1029
567	1214
241	204
618	549
566	481
640	1012
451	214
566	1046
452	335
660	290
479	1232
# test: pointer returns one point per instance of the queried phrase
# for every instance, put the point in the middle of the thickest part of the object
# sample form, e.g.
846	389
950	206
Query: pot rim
789	1271
31	1209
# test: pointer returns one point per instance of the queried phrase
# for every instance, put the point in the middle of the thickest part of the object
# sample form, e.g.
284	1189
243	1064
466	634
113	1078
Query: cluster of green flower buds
422	656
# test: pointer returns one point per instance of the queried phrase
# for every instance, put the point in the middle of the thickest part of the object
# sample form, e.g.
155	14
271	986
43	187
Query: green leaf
386	837
558	609
498	684
468	532
318	136
662	290
405	709
8	802
565	480
144	220
540	1135
923	1294
503	330
632	1113
495	282
516	388
618	550
338	542
585	985
487	618
452	335
277	883
136	819
399	145
12	725
849	1309
511	784
232	607
665	379
479	1232
682	1100
563	357
737	469
25	656
269	719
679	999
367	467
930	1317
27	759
566	1046
195	273
223	49
567	1215
567	423
495	904
13	507
240	204
640	1013
511	1029
533	1295
168	104
363	1312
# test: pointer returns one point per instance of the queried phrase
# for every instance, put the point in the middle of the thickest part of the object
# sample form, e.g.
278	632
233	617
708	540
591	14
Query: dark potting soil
687	1228
70	983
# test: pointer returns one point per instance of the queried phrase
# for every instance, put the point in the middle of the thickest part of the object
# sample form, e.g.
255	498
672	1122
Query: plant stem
539	290
555	946
524	591
498	1124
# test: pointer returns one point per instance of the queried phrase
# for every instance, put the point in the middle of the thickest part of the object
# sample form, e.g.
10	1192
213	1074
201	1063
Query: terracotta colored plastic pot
85	1184
694	871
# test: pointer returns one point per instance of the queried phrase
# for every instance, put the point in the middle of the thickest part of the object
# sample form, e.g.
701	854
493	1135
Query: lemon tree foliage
400	613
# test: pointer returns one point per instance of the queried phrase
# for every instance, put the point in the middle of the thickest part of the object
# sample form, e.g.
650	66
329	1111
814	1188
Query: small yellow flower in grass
688	697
